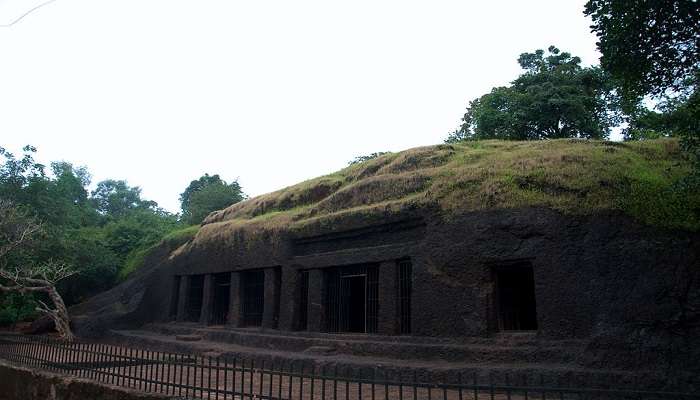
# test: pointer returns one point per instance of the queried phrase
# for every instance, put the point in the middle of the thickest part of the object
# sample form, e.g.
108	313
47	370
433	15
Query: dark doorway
253	299
516	298
222	298
352	299
353	289
195	295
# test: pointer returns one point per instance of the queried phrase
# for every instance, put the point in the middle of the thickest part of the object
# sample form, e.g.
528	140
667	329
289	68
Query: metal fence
204	377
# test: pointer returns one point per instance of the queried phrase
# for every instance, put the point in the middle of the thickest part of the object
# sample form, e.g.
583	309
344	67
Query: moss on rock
640	179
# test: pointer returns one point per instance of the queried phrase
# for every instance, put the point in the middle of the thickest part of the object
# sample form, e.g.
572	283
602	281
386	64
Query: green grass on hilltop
642	179
137	258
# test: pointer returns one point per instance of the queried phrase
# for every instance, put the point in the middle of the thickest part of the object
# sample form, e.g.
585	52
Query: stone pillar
289	291
234	312
182	298
272	298
316	304
387	318
207	299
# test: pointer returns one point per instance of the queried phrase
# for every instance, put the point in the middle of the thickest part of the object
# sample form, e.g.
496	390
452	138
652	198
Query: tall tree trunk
59	314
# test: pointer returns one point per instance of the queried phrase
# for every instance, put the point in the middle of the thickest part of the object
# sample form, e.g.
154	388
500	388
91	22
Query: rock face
324	257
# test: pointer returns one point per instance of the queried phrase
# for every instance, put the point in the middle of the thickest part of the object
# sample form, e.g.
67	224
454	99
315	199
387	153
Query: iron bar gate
194	376
253	297
195	297
339	301
405	282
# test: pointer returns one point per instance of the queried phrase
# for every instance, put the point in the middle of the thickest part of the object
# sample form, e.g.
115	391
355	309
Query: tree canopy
649	47
92	233
206	194
554	98
115	198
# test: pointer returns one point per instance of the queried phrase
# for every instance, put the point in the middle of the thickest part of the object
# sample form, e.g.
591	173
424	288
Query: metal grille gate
338	297
221	298
304	301
405	281
195	296
253	285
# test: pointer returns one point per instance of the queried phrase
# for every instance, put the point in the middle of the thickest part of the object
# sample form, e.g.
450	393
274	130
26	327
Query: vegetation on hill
103	234
641	179
651	49
555	97
137	259
206	194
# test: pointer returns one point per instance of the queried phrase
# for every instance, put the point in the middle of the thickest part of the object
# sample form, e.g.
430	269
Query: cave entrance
353	291
222	298
352	299
195	296
516	298
253	299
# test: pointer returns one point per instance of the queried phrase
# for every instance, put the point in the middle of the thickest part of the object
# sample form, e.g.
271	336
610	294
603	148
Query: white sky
158	92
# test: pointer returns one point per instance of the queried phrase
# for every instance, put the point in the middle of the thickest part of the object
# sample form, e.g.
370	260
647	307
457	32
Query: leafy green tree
195	185
16	175
653	48
116	198
137	229
206	194
22	275
554	98
94	235
649	47
677	117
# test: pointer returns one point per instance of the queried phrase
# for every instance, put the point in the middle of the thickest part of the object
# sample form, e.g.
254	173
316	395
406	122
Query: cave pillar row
182	298
316	313
234	312
207	299
289	291
387	314
271	298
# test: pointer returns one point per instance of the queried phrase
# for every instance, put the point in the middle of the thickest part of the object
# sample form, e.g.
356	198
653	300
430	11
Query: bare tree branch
17	230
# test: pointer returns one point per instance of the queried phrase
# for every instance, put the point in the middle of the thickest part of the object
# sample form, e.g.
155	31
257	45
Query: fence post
252	377
291	381
260	370
281	370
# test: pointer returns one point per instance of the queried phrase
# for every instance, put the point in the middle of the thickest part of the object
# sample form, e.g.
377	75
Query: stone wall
17	383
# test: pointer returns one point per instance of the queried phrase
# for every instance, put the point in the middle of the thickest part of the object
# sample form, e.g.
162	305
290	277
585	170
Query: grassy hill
642	179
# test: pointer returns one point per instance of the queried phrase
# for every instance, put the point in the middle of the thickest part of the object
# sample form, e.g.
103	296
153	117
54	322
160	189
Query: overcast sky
158	92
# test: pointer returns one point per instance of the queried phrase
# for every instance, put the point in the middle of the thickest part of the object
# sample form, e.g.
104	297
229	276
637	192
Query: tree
95	235
653	48
554	98
195	185
17	231
649	47
116	198
678	116
206	194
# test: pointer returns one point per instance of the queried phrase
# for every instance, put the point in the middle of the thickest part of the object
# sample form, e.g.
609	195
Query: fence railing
206	377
